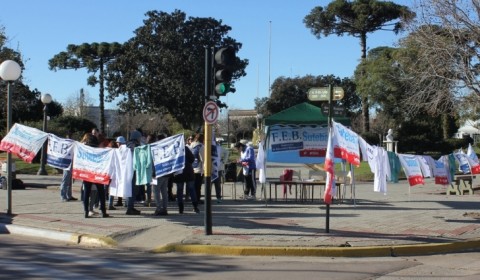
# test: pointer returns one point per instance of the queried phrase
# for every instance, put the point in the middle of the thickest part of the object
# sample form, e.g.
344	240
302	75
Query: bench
461	184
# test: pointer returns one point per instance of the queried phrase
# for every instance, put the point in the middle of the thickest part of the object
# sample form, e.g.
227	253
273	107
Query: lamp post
46	99
9	71
259	121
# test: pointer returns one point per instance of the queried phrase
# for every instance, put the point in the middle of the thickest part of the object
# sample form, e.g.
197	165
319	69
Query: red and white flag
330	170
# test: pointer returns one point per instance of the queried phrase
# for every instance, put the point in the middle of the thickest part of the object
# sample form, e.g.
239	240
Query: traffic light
221	104
224	62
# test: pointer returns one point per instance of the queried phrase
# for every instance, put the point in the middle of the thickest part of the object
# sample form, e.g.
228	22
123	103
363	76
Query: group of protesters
188	181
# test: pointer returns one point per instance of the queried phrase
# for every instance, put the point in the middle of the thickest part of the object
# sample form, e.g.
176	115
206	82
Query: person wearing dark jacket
186	177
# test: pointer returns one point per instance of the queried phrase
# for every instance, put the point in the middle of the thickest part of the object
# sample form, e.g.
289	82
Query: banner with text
59	152
168	155
23	141
92	164
412	169
346	144
297	144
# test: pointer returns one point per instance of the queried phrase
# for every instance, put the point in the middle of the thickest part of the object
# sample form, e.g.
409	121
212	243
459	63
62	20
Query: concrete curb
367	251
371	251
75	238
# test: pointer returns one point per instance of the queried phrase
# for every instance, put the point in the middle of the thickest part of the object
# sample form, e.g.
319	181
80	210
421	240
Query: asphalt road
26	258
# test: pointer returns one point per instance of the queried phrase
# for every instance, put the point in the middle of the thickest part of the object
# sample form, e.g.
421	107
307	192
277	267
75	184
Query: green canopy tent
303	113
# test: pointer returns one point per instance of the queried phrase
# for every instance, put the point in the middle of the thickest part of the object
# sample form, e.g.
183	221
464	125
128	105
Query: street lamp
259	121
46	99
9	71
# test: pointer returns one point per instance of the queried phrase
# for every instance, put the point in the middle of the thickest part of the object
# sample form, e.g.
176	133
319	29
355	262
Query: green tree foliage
26	104
261	106
382	76
288	92
357	18
163	67
377	76
93	57
423	134
69	125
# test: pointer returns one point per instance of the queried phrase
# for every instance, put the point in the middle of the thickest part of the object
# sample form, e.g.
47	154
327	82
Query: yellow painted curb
435	248
276	251
94	240
373	251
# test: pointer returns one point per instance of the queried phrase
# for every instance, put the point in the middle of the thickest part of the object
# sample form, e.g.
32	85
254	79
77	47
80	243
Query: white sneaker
92	213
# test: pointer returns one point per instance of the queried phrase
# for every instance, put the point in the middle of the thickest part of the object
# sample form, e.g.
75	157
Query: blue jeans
66	185
161	189
191	191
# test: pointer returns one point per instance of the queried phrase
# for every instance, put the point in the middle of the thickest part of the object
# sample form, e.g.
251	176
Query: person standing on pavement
134	141
160	190
247	160
66	184
186	177
223	155
197	149
92	141
118	142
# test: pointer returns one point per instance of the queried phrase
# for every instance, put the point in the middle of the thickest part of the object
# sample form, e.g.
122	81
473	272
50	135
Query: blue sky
272	32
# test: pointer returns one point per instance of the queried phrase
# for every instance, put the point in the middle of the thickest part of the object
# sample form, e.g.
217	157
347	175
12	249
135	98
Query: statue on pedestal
390	135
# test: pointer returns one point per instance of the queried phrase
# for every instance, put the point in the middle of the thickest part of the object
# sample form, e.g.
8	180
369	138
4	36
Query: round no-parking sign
210	112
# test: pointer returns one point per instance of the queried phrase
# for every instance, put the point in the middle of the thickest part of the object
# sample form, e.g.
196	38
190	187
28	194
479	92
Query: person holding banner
197	149
66	184
186	177
92	141
160	189
247	160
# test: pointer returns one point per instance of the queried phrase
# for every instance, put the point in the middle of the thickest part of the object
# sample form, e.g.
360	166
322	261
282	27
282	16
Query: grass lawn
27	168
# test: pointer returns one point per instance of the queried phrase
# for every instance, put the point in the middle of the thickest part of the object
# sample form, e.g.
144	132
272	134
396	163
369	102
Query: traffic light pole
208	144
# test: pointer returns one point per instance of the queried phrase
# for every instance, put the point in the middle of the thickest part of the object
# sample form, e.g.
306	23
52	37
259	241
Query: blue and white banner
297	144
59	152
412	169
168	155
463	162
346	145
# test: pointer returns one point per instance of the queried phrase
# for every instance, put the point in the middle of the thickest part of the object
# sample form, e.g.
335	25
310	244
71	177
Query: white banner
168	155
440	173
346	145
412	169
23	141
91	164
